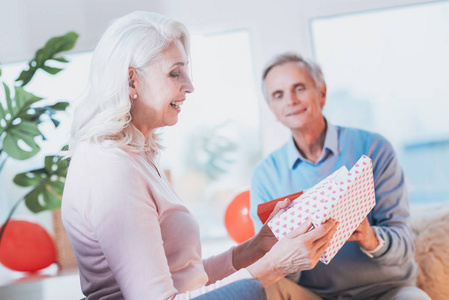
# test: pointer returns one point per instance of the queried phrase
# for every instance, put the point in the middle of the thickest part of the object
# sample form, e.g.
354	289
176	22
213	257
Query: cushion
430	227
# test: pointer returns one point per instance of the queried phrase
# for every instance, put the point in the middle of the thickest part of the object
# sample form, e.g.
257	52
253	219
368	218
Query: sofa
430	227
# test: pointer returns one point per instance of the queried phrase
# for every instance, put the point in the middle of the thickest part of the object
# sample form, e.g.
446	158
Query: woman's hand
280	205
250	251
297	251
265	237
301	249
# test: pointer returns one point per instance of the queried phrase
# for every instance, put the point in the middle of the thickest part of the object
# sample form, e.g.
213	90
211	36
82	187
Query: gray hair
103	113
313	69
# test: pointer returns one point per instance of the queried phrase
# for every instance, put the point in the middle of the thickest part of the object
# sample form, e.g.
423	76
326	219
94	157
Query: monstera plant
21	114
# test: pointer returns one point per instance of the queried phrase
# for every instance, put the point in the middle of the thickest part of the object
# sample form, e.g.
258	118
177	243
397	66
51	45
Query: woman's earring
135	96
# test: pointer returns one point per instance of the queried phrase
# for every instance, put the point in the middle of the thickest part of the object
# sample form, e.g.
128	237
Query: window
386	71
215	145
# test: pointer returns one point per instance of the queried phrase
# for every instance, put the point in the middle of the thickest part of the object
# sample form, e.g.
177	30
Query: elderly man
377	262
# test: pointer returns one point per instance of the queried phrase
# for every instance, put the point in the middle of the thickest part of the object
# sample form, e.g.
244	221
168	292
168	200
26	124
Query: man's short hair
313	69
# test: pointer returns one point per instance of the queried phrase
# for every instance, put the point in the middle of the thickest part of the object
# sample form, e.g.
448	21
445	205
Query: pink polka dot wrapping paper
345	196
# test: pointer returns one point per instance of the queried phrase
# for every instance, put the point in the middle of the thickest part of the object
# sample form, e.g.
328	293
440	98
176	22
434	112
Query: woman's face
161	90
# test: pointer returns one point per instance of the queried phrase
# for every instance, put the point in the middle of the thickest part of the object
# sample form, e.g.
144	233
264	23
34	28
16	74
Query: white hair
311	67
102	116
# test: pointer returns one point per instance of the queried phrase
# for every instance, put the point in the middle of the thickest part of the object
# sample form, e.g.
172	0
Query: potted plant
21	114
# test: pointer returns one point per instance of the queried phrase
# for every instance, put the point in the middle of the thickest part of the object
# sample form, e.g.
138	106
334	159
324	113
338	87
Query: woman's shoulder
105	152
99	159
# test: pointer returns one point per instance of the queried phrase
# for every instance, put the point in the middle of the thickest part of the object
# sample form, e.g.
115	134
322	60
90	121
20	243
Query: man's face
293	96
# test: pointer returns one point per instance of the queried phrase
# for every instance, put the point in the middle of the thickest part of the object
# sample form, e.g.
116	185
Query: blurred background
385	65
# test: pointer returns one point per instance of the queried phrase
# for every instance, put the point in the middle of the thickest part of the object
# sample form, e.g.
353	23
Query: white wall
26	24
275	26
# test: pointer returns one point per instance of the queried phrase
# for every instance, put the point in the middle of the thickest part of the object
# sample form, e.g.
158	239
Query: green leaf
26	128
41	199
50	110
26	179
51	163
19	132
12	148
52	47
57	186
20	119
55	122
51	70
47	184
61	59
8	99
2	117
57	45
60	105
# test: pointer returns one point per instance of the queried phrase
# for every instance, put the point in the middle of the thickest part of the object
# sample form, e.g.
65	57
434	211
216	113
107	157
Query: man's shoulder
354	142
351	134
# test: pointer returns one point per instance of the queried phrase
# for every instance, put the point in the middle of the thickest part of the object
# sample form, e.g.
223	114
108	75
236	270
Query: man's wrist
379	234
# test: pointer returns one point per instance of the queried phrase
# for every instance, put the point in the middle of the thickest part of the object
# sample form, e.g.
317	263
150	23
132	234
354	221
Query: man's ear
323	93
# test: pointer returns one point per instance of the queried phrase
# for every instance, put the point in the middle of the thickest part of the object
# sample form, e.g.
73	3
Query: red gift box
264	210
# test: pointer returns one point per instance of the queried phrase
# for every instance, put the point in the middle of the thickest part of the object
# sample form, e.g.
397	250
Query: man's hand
365	236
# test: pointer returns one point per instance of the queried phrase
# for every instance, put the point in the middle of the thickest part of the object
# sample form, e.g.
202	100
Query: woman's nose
188	86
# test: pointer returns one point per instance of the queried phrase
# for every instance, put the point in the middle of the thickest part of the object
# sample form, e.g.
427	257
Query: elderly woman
132	236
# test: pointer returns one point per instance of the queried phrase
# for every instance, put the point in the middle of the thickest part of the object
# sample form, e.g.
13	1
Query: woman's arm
255	248
300	250
269	260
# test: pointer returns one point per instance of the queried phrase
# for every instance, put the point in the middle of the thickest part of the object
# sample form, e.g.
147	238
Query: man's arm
391	213
258	195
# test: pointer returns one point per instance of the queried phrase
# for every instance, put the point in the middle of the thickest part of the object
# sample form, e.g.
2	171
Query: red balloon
26	247
238	223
